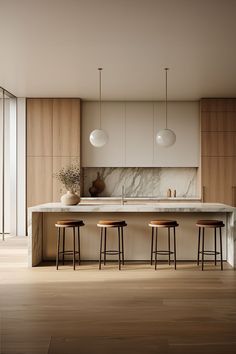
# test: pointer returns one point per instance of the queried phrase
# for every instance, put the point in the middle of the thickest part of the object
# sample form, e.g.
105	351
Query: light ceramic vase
70	198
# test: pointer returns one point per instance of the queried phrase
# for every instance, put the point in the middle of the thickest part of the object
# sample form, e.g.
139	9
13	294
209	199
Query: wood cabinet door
218	144
218	121
39	127
39	180
218	105
66	127
218	179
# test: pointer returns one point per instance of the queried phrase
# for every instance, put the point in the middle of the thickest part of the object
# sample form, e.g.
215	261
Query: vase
70	198
97	187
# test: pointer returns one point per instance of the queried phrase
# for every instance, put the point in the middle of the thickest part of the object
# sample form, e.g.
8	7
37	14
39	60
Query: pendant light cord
100	98
166	69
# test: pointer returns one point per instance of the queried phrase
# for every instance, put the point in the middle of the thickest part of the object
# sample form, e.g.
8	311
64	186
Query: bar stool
155	225
213	224
104	225
63	225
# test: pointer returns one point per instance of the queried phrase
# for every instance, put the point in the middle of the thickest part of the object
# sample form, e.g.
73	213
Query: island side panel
137	234
231	239
35	242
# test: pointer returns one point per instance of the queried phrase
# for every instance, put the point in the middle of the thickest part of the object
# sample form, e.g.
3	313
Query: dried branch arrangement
69	176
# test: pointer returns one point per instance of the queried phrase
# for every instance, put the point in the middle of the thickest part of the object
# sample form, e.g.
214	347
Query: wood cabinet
39	127
218	143
39	180
132	129
66	127
218	179
53	141
218	146
218	121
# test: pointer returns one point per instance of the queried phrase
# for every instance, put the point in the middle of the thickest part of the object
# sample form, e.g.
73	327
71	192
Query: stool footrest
111	252
163	252
68	252
209	253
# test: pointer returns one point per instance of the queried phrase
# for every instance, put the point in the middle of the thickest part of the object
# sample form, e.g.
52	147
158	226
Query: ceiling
52	48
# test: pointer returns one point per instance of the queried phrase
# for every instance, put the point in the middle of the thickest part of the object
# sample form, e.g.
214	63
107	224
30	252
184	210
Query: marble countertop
151	207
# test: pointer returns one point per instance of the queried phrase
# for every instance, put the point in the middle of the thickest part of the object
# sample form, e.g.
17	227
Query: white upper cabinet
112	154
132	129
138	134
183	119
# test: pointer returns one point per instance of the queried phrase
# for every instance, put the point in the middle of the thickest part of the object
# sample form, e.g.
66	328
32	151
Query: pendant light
99	137
166	137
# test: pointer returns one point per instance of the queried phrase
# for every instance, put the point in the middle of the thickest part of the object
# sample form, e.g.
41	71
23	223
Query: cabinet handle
203	193
233	195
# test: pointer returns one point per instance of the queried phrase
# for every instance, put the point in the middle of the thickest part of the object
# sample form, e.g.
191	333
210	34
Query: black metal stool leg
152	244
63	245
78	245
203	236
169	243
199	242
156	250
221	255
58	247
74	248
122	246
215	243
100	254
105	246
174	248
119	247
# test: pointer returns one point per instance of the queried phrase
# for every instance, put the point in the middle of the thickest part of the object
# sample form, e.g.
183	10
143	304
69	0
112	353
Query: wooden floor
136	310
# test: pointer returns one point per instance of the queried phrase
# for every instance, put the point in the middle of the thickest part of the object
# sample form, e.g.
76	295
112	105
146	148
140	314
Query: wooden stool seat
210	223
111	223
69	223
155	225
62	225
163	223
213	224
104	225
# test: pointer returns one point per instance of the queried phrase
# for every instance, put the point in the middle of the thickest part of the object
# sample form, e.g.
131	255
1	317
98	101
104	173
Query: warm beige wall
53	140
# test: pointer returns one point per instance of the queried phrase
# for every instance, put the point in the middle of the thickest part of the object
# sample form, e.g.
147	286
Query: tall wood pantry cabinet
218	150
53	141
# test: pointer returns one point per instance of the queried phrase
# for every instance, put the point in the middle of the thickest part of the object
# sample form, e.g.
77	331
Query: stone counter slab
149	208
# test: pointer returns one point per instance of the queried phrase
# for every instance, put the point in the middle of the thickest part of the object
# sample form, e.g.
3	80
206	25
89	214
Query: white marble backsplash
143	182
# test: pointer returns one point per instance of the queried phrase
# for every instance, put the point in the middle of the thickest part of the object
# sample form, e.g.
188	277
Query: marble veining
154	207
143	182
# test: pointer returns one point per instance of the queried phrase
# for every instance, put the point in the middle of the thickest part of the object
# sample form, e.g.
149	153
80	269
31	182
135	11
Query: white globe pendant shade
98	138
165	138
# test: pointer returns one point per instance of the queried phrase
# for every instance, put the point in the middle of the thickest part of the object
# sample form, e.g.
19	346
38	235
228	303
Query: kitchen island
42	232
